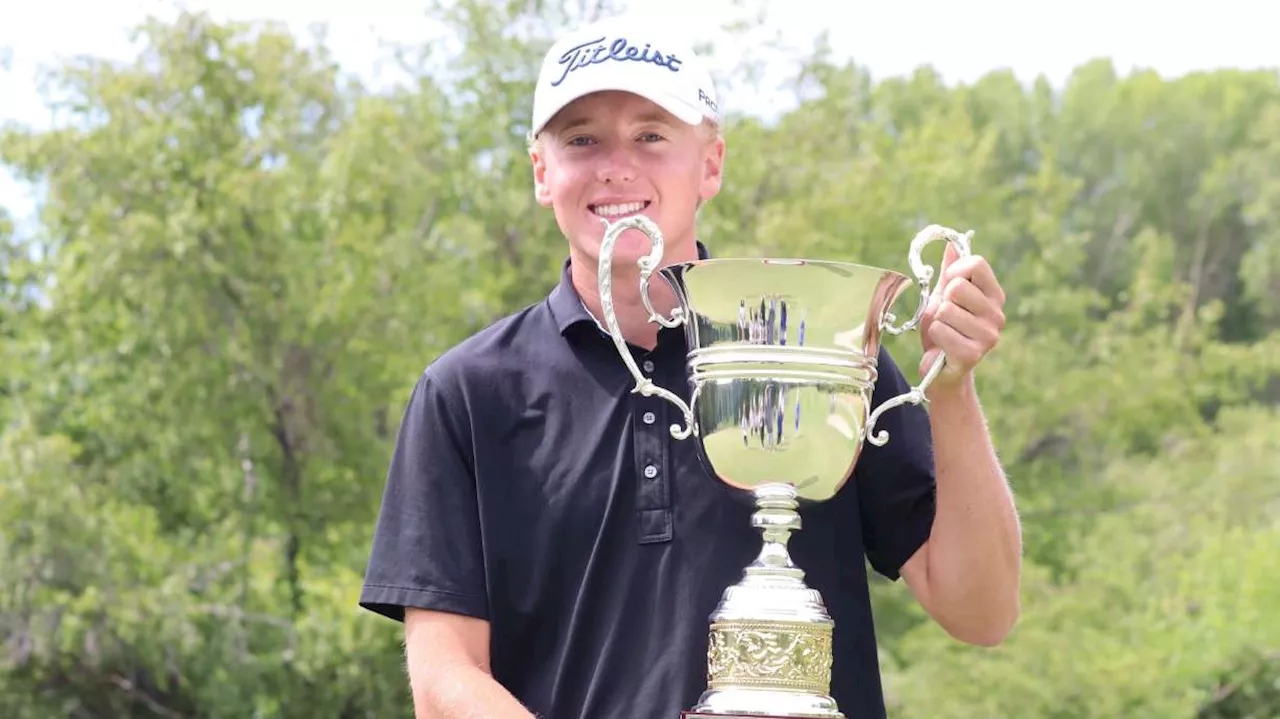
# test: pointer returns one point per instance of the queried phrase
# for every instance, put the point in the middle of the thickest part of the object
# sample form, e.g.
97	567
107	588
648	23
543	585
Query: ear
712	168
540	190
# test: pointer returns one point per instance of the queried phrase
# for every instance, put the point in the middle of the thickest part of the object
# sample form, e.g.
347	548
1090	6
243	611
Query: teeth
615	210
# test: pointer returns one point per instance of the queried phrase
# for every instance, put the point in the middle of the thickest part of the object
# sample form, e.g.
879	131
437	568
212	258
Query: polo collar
566	304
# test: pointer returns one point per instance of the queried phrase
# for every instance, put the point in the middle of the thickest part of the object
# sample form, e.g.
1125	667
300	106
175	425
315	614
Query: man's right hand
448	658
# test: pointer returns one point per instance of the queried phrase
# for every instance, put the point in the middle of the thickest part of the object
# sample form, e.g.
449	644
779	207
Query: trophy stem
777	518
769	651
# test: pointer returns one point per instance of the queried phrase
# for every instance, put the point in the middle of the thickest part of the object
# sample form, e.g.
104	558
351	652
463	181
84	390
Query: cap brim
683	111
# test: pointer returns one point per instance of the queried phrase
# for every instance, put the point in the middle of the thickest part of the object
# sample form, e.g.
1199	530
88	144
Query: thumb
951	254
926	362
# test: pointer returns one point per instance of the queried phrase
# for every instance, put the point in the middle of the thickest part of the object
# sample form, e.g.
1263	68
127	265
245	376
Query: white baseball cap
627	55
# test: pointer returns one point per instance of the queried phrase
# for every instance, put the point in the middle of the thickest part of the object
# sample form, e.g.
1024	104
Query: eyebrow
572	124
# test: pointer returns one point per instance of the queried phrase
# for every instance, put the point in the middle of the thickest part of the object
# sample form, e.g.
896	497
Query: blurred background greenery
243	258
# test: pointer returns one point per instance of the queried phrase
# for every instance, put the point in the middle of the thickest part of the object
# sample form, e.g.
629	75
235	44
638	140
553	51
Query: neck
633	317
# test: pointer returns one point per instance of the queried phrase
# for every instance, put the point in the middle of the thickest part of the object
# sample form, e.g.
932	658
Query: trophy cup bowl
782	361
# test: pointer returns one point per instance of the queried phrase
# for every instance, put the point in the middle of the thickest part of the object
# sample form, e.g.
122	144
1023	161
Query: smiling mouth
618	210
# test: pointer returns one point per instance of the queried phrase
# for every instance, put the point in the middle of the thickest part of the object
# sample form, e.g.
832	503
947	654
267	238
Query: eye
580	140
651	137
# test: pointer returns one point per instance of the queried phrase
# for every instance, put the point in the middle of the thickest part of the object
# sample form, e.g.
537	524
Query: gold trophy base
769	649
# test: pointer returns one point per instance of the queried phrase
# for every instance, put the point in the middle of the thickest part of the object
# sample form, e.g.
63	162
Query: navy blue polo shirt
530	487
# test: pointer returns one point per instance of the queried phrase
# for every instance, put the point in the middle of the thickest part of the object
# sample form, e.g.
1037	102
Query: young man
552	551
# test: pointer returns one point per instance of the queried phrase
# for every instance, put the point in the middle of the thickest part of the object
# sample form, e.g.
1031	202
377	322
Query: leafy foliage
244	259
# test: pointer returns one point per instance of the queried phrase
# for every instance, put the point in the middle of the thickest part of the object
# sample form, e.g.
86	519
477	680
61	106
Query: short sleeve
896	483
426	546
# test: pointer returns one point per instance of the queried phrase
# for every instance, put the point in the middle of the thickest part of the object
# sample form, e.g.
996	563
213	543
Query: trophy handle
924	274
648	263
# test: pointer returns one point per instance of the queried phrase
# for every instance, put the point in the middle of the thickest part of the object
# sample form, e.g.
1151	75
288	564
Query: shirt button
650	418
648	365
650	471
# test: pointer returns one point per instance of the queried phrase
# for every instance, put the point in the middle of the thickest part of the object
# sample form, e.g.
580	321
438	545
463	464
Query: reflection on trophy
782	362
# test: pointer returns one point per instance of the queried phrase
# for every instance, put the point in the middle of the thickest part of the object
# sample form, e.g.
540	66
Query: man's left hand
964	318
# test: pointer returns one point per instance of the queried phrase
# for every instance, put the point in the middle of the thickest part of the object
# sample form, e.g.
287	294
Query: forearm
975	548
461	691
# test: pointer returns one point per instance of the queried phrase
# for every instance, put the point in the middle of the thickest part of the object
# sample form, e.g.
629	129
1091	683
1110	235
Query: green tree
1172	588
244	259
209	350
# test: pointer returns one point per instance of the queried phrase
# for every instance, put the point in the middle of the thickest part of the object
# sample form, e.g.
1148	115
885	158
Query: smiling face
613	154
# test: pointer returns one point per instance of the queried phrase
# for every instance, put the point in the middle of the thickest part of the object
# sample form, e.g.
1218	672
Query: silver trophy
782	361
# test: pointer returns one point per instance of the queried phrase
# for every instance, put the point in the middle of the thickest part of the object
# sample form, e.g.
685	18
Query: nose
616	165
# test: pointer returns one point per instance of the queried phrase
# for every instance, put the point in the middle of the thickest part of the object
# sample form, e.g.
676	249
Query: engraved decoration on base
770	655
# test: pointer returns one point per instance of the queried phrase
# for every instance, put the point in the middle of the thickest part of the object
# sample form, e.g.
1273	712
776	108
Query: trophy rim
786	262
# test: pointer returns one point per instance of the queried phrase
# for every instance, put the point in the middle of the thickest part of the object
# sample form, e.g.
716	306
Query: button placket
653	502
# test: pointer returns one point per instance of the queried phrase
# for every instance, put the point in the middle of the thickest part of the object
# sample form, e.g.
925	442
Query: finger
976	269
962	353
972	327
985	278
964	293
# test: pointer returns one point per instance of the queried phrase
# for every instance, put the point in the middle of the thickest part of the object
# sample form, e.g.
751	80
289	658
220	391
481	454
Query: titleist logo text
595	52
